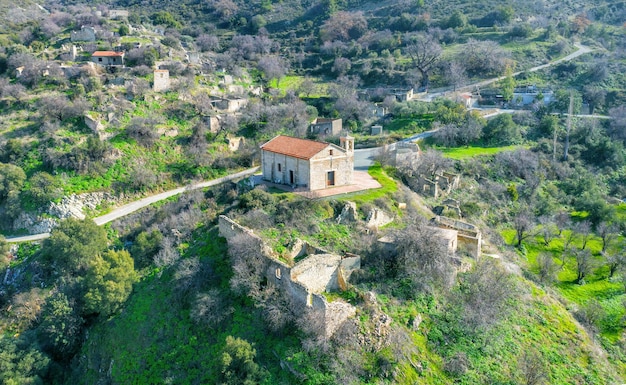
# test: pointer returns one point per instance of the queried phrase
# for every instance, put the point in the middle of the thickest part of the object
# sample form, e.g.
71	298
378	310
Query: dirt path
144	202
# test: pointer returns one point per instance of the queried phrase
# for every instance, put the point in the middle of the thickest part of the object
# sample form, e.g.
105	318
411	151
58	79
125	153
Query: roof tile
294	147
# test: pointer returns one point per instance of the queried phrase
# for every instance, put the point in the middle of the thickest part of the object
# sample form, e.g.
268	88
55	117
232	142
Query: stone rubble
72	206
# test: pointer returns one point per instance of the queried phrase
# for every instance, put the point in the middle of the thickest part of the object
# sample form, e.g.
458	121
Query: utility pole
570	112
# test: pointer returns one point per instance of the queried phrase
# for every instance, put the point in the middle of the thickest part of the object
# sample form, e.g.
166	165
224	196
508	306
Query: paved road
582	49
141	203
364	157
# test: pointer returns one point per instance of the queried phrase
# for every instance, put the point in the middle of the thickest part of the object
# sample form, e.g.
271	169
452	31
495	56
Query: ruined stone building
310	164
161	80
304	282
436	185
326	127
468	236
85	34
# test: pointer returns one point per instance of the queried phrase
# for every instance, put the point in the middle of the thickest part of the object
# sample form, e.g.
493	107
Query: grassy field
293	82
609	292
460	153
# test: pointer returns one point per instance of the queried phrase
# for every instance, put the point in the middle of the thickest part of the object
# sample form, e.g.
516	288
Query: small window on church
330	152
279	168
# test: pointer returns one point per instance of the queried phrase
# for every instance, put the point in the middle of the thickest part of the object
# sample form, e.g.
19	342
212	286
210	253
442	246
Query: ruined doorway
292	178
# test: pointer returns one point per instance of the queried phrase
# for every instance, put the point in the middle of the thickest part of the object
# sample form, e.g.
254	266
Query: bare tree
341	65
548	230
483	57
456	74
423	257
532	367
211	308
249	265
584	263
523	223
431	162
273	67
614	261
143	130
207	43
344	26
547	267
618	122
484	292
584	230
607	232
562	220
424	51
594	96
591	314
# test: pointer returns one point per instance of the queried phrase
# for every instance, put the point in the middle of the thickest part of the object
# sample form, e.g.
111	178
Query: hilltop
491	253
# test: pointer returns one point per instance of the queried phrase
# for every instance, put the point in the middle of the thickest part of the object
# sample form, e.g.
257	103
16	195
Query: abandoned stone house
468	236
436	185
108	58
309	164
403	95
118	14
317	271
229	105
326	127
85	34
161	80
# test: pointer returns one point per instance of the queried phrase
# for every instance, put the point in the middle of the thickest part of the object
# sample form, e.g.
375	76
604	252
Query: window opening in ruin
279	168
278	274
309	299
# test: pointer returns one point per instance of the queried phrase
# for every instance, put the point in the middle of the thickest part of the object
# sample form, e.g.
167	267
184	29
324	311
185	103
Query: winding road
582	49
141	203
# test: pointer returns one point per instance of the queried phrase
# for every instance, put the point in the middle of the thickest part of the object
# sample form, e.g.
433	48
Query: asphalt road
144	202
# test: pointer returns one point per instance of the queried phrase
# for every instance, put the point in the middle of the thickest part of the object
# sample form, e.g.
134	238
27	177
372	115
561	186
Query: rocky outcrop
348	213
72	206
377	218
33	223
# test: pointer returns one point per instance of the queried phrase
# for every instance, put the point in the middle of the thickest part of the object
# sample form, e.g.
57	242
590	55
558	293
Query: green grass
292	82
597	285
460	153
389	186
155	340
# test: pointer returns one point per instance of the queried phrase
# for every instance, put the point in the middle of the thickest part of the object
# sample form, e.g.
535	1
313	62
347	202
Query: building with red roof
108	58
310	164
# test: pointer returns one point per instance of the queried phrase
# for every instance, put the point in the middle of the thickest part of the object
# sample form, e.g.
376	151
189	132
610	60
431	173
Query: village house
326	127
85	34
310	164
118	14
108	58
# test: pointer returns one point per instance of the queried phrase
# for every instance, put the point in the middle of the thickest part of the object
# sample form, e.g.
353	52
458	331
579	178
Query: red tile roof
107	53
294	147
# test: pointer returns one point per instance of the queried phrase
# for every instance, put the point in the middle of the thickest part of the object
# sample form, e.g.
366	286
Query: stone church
308	164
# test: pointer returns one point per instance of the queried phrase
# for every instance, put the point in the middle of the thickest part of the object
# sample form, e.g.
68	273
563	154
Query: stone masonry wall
301	294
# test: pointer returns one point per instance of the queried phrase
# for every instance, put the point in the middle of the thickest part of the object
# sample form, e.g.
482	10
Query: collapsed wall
469	236
318	272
